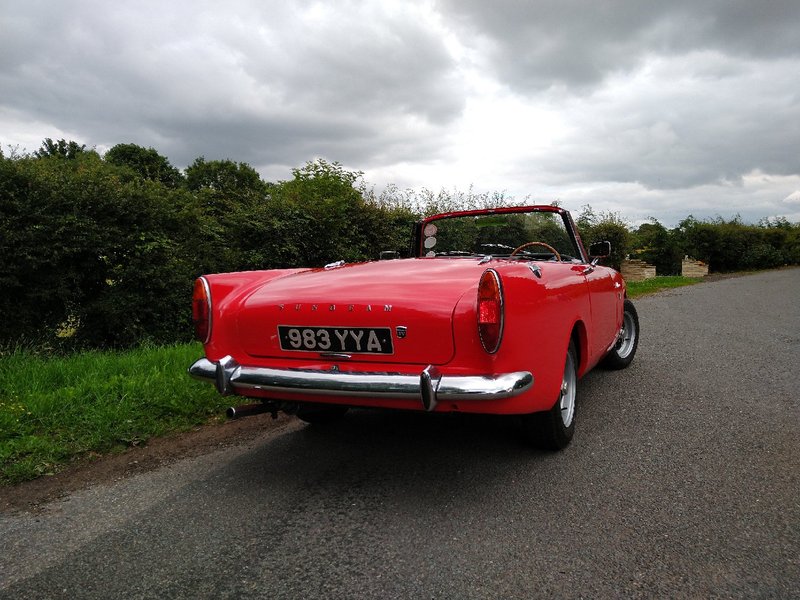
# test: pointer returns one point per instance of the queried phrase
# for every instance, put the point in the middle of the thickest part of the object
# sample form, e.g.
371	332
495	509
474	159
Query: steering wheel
548	246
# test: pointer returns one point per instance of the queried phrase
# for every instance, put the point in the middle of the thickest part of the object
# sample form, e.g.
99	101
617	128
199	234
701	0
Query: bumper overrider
429	387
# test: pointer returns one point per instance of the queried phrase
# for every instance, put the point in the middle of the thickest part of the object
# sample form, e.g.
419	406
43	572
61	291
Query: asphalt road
683	481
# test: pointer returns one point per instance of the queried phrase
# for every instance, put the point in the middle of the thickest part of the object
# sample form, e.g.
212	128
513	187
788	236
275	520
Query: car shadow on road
415	459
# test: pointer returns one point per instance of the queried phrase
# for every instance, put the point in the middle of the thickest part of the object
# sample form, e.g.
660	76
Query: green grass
656	284
54	410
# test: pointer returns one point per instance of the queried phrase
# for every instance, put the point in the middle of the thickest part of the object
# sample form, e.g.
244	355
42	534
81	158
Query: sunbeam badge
401	331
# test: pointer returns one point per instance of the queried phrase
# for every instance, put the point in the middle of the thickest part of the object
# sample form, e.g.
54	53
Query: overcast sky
652	109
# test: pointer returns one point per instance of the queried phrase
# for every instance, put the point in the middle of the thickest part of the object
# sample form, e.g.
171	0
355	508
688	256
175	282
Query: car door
605	302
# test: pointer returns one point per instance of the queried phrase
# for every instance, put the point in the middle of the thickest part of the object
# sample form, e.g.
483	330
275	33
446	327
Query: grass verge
656	284
54	410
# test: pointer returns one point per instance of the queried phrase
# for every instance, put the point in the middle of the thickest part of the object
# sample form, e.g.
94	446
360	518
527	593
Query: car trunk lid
389	311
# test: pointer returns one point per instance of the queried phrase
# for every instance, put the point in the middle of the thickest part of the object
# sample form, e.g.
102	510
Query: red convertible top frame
416	245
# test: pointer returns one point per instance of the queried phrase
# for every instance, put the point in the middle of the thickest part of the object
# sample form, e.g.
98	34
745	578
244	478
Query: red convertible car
497	311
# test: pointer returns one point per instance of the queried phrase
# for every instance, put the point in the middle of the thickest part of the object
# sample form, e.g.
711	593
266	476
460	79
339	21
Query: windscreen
500	234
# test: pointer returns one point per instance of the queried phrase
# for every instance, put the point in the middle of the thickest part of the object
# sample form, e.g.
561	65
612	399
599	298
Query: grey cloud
536	45
373	68
259	82
688	133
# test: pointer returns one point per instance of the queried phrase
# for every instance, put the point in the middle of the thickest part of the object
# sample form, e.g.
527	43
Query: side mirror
600	250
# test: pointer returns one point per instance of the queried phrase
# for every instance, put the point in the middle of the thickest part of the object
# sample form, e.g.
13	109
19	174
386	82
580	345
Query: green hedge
98	253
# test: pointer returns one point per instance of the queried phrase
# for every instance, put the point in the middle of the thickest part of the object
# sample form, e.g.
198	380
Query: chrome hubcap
627	336
567	401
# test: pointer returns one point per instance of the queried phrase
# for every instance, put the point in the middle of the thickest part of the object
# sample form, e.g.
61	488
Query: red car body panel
433	301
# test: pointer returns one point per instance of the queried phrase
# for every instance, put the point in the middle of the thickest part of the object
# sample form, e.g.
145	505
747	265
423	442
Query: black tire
553	429
320	413
623	353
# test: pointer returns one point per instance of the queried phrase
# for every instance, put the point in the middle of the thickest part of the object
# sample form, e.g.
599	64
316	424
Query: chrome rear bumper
429	387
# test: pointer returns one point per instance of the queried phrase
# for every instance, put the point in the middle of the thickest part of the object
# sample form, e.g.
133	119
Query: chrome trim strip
337	355
207	289
429	387
496	276
224	372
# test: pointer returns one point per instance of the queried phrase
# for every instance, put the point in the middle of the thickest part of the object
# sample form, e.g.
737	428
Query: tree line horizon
101	251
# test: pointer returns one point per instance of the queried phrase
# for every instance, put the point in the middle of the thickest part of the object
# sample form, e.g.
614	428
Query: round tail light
490	311
201	309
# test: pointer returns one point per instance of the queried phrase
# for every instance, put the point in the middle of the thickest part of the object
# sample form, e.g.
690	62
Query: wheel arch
580	340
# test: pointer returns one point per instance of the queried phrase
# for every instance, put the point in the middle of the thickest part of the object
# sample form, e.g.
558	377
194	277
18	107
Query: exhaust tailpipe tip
246	410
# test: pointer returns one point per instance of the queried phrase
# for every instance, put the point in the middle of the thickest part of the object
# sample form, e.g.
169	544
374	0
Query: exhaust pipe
236	412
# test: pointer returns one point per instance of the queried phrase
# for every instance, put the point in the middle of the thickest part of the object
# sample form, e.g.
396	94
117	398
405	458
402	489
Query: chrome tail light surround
201	309
490	311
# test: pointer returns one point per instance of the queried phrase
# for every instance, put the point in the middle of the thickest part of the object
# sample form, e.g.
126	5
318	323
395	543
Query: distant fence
693	268
633	269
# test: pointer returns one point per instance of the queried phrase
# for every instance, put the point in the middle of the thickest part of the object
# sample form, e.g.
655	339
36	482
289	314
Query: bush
734	246
609	227
91	258
655	244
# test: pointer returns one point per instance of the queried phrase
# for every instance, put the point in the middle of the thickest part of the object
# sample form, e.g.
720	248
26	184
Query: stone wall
637	270
693	268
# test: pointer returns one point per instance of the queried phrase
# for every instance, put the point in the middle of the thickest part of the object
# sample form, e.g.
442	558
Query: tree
332	210
88	259
145	162
587	218
654	243
607	226
60	149
224	176
733	245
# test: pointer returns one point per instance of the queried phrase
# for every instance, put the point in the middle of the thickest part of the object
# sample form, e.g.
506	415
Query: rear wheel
320	413
622	354
553	429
